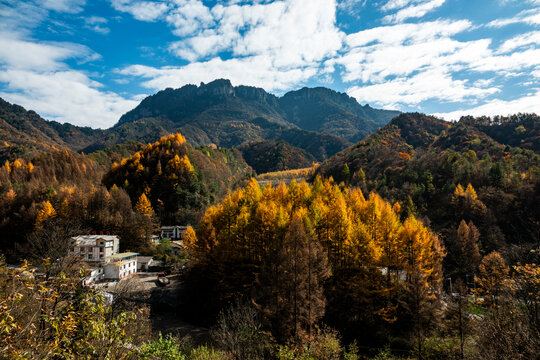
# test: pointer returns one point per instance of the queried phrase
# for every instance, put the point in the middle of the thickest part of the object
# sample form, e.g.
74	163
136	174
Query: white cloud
36	76
406	64
411	11
351	6
530	17
530	38
69	6
23	54
373	55
274	45
526	104
189	17
427	85
65	96
291	33
255	71
141	10
97	24
20	17
397	4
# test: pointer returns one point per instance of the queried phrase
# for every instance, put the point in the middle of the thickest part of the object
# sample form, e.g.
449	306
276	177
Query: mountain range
319	121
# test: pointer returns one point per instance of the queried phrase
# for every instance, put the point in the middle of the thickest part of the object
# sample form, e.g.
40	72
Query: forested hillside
26	134
66	188
180	181
269	156
449	172
319	120
420	241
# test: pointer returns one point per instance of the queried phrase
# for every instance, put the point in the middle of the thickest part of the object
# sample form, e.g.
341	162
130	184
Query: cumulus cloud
525	104
371	54
189	17
65	96
427	85
255	71
36	74
20	17
23	54
289	32
406	64
275	45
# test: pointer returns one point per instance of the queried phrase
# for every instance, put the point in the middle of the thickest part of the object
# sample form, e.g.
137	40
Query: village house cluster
104	261
101	253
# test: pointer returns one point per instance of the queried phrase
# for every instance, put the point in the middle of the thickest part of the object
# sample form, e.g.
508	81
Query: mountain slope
319	120
179	180
268	156
27	133
324	110
229	116
426	163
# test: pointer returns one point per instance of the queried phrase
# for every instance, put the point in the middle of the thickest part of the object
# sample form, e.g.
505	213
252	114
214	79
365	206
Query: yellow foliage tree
493	272
143	206
250	224
46	212
471	192
189	239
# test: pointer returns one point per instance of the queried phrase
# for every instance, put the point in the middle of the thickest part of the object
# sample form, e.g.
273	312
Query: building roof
122	256
144	258
91	239
171	227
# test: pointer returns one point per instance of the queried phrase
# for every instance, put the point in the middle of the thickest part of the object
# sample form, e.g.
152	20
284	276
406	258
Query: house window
89	256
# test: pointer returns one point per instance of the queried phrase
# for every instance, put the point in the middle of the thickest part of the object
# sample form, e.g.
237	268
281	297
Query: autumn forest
420	240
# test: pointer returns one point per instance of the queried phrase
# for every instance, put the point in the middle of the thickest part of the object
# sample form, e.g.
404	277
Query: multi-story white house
100	252
94	248
120	266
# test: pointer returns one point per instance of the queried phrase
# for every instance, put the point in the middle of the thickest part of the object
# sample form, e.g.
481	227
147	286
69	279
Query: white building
93	275
120	266
144	262
100	252
174	233
94	248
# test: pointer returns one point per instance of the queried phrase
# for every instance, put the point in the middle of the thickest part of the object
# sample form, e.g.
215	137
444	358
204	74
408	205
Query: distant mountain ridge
310	109
27	132
319	121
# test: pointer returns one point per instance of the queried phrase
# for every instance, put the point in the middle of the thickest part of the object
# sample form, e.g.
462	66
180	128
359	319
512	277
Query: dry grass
284	175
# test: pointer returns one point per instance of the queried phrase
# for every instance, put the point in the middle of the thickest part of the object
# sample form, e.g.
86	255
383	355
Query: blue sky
89	61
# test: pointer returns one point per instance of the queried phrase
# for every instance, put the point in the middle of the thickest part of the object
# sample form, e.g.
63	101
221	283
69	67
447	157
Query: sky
87	62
